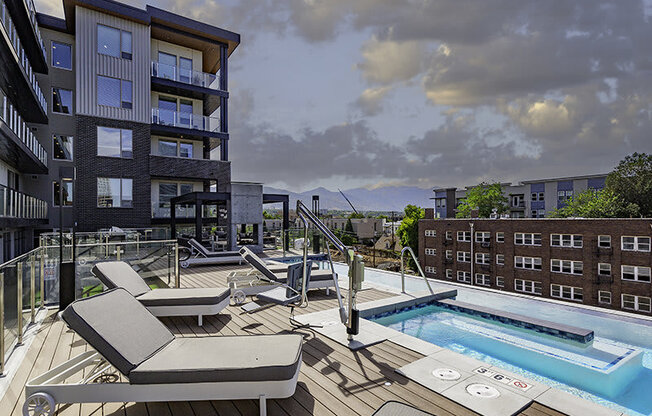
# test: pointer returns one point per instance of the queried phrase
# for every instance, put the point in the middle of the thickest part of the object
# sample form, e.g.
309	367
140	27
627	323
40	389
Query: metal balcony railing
9	27
9	115
161	211
185	120
14	204
186	76
32	18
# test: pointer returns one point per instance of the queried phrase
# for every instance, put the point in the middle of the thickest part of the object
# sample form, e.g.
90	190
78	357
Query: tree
270	216
356	215
408	231
485	198
597	204
632	180
348	228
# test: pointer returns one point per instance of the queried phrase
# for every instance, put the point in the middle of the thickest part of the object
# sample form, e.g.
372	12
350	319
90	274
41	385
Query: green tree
408	231
348	228
632	180
485	198
597	204
270	216
356	215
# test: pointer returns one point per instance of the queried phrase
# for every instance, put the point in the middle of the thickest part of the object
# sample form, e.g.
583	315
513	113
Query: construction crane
347	200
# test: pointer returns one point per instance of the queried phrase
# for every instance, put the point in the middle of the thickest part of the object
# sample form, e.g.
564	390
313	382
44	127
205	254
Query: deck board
333	379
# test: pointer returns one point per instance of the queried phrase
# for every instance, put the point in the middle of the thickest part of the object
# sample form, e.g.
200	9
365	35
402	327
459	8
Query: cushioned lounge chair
201	255
394	408
163	302
158	365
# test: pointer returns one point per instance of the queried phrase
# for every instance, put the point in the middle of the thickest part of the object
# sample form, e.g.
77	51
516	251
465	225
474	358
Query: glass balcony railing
31	9
186	76
160	210
14	121
14	204
185	120
10	29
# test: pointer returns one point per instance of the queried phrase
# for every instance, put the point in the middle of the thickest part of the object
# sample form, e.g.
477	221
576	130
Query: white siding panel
89	64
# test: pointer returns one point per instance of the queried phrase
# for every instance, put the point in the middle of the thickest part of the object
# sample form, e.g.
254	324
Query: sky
342	94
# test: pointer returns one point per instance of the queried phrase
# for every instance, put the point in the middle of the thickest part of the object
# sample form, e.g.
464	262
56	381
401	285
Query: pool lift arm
351	317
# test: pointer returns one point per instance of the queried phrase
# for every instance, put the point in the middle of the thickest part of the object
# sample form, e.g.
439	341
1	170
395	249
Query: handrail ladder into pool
356	270
409	250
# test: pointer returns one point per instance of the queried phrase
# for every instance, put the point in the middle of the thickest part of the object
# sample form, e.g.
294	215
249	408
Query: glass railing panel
10	305
26	268
18	205
186	76
185	120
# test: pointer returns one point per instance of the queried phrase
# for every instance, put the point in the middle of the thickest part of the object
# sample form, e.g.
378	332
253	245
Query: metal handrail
409	250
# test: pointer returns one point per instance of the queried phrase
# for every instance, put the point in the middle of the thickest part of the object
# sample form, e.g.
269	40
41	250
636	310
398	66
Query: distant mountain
390	198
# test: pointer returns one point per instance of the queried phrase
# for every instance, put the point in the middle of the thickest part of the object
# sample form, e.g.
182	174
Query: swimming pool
614	371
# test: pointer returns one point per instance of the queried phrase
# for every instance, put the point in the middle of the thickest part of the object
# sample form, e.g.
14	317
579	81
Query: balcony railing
186	76
9	27
159	211
31	9
9	115
14	204
185	120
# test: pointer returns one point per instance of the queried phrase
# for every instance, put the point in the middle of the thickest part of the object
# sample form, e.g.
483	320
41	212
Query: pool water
615	370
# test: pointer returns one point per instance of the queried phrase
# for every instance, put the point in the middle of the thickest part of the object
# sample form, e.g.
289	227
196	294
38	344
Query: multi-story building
597	262
363	228
526	199
23	107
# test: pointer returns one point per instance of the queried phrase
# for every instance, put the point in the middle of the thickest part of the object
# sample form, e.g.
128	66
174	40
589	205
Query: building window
114	192
482	279
527	239
604	297
563	196
635	243
62	101
449	235
566	266
463	276
500	237
431	233
482	258
449	273
483	237
604	269
500	281
431	251
114	42
62	147
635	273
527	286
175	149
566	292
464	256
530	263
114	142
464	236
538	196
566	240
604	241
500	259
431	269
114	92
449	254
61	55
67	193
636	303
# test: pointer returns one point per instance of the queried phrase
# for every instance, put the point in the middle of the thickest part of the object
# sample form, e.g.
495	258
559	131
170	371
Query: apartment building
362	227
596	262
526	199
23	104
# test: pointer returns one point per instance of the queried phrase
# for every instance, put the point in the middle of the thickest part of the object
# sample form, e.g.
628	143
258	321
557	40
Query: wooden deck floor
333	379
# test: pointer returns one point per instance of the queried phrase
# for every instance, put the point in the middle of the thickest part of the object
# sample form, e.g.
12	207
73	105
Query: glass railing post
32	289
117	253
19	307
177	280
42	277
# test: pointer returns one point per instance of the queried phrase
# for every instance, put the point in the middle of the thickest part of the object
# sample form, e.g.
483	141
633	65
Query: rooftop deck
333	379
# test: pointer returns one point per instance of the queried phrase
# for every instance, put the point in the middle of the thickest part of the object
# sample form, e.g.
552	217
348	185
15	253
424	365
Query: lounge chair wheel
184	253
184	264
239	297
39	404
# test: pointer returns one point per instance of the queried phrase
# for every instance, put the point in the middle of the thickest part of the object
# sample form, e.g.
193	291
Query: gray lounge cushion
393	408
315	276
222	359
120	274
184	297
119	327
257	263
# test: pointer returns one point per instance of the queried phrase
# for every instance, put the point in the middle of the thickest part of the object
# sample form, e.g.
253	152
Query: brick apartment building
597	262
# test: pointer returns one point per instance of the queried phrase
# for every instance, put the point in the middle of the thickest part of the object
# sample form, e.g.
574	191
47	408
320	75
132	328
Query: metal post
42	274
177	280
2	323
32	293
19	307
472	251
117	252
137	244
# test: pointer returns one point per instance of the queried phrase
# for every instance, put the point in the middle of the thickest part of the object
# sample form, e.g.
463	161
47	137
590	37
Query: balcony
18	145
17	208
199	85
186	168
162	210
174	123
24	17
19	81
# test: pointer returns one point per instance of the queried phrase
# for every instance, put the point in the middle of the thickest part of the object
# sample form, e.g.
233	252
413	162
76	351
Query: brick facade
589	254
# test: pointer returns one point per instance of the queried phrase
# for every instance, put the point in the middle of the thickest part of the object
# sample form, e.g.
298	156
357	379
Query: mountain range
389	198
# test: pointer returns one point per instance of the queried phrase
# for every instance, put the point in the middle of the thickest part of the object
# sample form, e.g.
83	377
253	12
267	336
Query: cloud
370	101
387	61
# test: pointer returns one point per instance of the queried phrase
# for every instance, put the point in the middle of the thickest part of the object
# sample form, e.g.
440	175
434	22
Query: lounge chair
394	408
201	255
160	367
163	302
319	279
